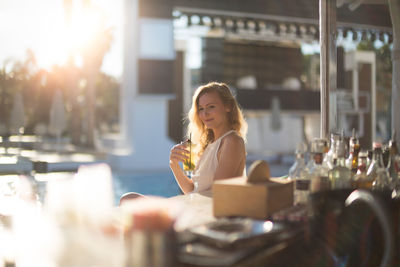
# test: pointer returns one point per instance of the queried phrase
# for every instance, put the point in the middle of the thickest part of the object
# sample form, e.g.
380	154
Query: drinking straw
190	150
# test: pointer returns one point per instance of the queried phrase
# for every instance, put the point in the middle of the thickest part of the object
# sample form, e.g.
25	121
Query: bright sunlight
55	33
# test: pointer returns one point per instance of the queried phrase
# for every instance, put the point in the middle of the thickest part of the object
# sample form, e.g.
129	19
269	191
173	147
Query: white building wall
144	143
150	145
263	140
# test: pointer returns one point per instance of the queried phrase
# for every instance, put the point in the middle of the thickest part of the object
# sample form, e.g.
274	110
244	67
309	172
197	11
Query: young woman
218	130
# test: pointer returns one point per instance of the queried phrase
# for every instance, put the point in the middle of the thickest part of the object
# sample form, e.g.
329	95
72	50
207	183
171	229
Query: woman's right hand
178	153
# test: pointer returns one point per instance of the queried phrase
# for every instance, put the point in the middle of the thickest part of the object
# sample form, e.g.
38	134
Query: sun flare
65	35
55	34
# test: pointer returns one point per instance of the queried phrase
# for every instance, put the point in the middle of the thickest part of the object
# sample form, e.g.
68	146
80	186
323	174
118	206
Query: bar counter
289	247
333	234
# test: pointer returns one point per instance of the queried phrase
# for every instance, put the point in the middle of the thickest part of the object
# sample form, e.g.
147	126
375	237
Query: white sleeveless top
203	175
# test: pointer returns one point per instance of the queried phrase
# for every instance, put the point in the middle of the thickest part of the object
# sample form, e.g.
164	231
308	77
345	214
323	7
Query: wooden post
327	29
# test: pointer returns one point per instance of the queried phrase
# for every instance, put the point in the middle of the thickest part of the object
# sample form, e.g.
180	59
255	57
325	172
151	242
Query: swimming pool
157	184
163	183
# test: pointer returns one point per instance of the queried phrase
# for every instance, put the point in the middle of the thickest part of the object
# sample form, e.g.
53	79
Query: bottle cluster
342	163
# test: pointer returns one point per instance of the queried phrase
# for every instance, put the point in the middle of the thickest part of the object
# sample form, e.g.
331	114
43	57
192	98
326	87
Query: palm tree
72	84
92	56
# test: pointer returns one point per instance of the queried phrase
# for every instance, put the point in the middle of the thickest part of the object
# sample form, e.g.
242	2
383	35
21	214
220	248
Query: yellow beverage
189	165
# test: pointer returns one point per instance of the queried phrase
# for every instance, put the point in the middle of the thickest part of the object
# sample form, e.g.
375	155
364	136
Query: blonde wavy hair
200	135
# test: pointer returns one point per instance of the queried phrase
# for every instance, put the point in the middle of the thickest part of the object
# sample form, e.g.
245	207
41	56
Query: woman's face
212	111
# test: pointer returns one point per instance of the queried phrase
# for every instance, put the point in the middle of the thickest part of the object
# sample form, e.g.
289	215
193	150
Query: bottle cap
363	154
318	145
353	139
377	145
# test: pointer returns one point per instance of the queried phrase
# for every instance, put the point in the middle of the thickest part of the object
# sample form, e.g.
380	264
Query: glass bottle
318	173
376	170
189	164
328	158
369	158
298	173
385	154
354	149
340	176
298	168
392	166
361	180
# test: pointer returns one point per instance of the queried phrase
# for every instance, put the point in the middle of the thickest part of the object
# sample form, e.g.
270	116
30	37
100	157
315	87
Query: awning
298	18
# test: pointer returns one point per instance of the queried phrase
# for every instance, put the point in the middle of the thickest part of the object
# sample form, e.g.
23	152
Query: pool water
163	183
156	184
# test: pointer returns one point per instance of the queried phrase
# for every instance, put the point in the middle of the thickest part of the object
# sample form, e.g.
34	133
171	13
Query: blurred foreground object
83	209
149	235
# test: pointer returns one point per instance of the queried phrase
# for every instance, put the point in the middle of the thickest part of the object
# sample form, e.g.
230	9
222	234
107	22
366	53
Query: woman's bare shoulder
233	139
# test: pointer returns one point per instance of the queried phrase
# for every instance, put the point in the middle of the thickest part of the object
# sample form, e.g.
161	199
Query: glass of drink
189	164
